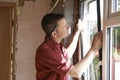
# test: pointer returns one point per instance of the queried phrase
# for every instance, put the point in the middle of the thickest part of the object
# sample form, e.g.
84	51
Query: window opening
114	53
115	5
90	17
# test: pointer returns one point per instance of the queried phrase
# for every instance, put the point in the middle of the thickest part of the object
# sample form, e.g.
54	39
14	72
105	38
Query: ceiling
21	2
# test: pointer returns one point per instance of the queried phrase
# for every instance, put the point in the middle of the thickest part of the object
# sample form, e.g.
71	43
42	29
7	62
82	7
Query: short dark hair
49	22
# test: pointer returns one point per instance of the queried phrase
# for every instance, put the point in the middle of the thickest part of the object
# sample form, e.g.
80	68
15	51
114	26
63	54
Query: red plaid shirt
51	61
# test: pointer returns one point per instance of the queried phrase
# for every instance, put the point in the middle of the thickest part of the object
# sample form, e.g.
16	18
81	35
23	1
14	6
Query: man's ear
54	34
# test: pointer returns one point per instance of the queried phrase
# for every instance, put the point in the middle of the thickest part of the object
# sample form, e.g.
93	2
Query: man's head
50	22
55	25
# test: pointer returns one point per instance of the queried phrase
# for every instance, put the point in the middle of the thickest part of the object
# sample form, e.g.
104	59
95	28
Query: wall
29	36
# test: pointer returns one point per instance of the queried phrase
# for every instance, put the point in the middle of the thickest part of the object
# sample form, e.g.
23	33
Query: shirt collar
51	41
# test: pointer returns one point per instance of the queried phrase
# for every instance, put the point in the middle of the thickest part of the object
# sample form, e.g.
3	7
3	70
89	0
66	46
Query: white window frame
109	20
109	17
112	14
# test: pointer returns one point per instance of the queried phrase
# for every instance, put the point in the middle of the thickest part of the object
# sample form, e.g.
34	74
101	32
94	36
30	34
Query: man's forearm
71	48
78	69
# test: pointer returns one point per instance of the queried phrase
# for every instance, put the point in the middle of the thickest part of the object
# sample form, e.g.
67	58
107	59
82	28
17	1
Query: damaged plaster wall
29	36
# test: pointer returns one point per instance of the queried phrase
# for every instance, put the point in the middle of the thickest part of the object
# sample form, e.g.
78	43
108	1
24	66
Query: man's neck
58	40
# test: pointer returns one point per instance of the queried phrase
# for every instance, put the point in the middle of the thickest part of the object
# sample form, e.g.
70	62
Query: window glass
115	52
93	28
115	5
90	28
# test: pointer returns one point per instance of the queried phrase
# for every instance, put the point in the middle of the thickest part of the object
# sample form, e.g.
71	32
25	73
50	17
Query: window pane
93	70
115	5
114	53
89	30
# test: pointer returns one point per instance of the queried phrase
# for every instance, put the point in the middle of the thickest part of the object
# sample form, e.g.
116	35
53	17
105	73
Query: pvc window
111	38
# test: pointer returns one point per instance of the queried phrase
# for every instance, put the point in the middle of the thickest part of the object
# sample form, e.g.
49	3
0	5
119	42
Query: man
52	58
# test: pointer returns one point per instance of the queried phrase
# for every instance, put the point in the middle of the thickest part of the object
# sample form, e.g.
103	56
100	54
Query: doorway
6	40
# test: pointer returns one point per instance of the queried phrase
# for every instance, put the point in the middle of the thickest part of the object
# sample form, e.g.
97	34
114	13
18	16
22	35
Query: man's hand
79	26
97	42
